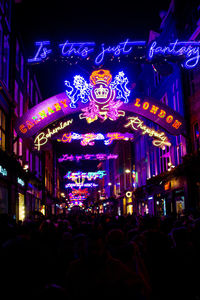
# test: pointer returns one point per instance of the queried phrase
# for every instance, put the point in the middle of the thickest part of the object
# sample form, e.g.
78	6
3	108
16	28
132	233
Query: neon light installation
188	49
101	94
167	116
42	138
85	175
43	114
121	48
159	138
83	50
79	185
80	49
89	139
77	158
42	52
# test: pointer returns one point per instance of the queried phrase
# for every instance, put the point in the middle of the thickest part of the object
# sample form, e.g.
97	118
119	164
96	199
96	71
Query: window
21	105
179	149
164	159
31	93
28	84
15	143
176	104
16	97
6	60
2	130
17	55
22	68
20	149
31	162
164	99
196	136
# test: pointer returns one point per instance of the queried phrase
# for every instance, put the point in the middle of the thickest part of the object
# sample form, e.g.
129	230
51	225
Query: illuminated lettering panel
188	50
79	185
43	137
44	50
160	114
85	175
99	156
159	138
89	139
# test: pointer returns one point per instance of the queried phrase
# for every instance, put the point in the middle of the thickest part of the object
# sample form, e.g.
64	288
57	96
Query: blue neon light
188	49
42	52
80	49
121	48
83	49
81	90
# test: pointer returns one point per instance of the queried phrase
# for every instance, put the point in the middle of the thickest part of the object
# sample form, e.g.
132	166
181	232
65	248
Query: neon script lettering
190	50
99	156
85	175
83	50
43	137
159	138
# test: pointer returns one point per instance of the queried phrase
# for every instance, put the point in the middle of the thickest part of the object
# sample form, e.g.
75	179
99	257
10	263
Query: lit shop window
196	136
21	207
2	130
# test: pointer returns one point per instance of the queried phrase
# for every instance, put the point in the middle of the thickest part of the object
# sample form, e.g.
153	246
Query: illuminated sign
43	137
106	98
88	139
159	138
20	181
190	51
83	50
187	50
79	185
99	156
3	171
85	175
101	93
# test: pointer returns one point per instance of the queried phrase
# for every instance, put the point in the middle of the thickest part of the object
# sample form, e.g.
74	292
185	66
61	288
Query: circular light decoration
128	194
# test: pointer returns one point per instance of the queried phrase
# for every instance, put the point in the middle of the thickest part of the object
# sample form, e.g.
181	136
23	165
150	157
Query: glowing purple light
90	138
99	156
79	185
85	175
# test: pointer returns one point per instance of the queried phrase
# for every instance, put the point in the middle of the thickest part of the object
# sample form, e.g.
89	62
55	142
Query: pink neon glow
99	156
85	175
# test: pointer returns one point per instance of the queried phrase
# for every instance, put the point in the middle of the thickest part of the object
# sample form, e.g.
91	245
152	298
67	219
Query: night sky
101	22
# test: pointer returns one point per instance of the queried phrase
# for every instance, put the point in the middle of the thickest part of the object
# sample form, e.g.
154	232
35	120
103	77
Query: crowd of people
104	256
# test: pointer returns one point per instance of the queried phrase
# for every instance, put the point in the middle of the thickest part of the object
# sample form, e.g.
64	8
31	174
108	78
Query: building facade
165	178
24	173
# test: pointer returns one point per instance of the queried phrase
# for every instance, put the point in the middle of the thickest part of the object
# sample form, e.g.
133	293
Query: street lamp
127	171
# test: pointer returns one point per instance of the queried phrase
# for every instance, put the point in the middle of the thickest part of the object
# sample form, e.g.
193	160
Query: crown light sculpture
104	95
